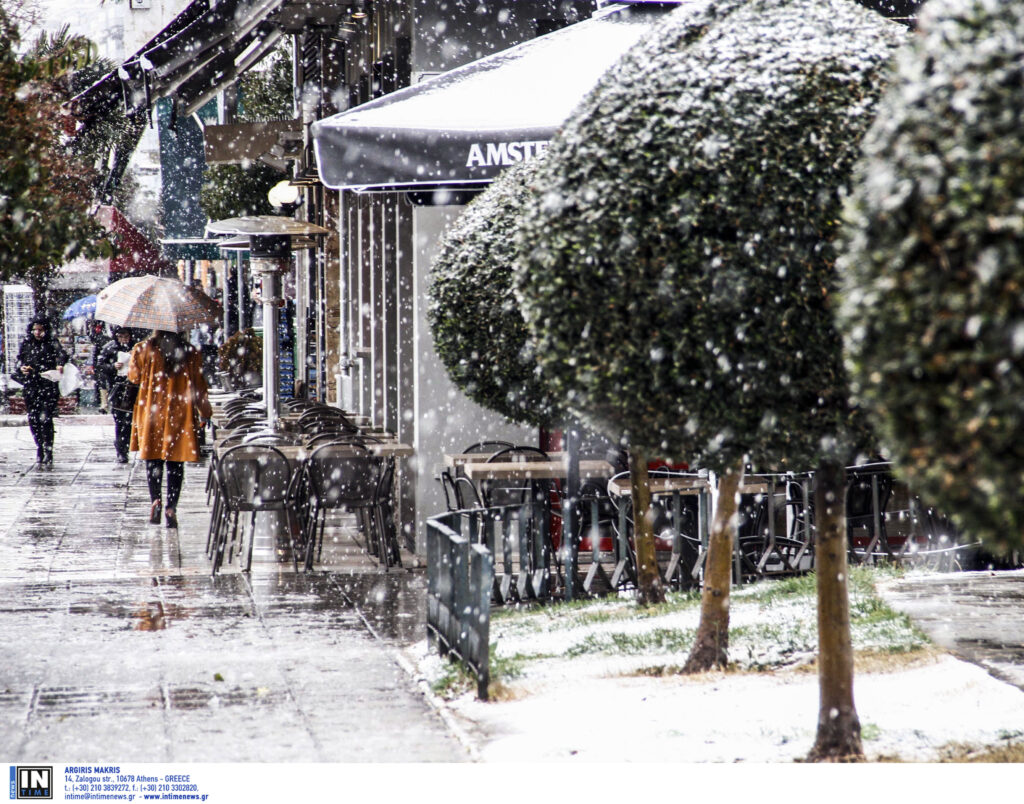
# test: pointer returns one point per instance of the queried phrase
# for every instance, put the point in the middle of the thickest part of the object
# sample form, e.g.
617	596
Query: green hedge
676	267
478	329
935	265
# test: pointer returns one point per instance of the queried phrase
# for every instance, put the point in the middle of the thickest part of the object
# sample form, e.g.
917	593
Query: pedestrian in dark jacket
41	352
121	394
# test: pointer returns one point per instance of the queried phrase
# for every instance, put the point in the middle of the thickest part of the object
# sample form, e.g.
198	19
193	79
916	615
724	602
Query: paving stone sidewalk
119	645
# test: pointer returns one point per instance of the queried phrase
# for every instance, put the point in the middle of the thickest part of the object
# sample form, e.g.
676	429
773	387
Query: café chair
253	478
341	477
861	513
487	446
498	492
383	509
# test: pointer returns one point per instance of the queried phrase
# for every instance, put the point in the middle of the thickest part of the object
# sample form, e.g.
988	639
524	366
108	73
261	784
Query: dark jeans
40	422
175	477
122	432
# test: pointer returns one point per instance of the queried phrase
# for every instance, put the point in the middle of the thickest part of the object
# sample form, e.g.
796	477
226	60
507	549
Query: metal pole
269	271
225	296
344	341
569	508
271	257
240	294
301	317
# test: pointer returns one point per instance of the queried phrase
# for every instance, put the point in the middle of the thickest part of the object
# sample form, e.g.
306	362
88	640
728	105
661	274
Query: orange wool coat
165	415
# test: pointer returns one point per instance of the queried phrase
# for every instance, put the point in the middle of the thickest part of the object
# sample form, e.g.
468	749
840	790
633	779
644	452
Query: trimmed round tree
479	332
934	268
677	267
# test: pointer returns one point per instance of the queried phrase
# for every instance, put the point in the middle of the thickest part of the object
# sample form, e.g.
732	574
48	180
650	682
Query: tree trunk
838	738
650	589
711	646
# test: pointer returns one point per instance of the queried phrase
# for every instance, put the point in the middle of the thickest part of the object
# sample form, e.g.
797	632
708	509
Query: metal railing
460	576
483	556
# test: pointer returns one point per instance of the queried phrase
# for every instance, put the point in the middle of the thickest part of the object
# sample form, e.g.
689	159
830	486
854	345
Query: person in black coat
40	352
121	395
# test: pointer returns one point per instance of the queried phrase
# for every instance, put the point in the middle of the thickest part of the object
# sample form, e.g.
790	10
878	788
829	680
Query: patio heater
271	241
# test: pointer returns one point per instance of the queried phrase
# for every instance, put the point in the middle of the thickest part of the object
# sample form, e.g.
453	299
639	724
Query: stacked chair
344	475
251	478
339	474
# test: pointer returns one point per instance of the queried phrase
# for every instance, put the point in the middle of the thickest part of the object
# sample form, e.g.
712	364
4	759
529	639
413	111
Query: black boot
47	461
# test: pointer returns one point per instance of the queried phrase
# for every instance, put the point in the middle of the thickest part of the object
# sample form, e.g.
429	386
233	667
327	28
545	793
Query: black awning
462	127
206	47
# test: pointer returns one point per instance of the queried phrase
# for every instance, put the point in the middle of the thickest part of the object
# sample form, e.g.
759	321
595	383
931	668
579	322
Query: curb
435	703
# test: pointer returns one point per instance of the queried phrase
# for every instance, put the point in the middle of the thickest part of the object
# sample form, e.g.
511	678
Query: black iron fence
460	575
483	556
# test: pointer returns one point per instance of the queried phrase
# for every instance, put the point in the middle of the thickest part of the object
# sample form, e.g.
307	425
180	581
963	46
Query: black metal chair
273	437
341	437
323	422
241	420
341	476
868	490
776	532
487	446
383	509
325	412
516	492
253	478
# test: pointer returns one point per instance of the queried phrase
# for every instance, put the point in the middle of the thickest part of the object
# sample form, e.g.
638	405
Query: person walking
41	352
121	394
171	406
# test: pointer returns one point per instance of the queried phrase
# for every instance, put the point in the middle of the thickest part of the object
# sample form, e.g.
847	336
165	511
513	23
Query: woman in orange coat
172	399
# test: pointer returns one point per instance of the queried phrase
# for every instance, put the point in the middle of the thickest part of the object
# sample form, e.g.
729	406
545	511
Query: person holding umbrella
121	394
172	404
172	401
41	352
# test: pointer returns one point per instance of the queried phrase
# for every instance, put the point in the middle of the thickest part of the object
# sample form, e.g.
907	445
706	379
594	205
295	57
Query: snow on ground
575	711
591	705
740	717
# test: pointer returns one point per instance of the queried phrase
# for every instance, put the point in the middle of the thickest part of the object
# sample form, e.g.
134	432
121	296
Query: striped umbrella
152	302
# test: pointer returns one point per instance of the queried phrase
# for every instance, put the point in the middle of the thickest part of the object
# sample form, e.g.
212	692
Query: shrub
241	356
676	269
935	267
478	329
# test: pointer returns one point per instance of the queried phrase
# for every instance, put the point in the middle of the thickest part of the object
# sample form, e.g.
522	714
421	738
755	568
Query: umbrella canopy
153	302
264	225
464	126
84	307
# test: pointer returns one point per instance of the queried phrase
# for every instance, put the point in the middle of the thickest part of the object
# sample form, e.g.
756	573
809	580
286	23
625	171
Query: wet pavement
978	616
119	645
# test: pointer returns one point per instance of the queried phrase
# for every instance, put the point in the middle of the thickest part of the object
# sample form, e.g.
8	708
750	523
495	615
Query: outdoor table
460	459
534	470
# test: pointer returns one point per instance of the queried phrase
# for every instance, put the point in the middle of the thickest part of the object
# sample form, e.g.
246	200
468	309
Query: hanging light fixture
359	9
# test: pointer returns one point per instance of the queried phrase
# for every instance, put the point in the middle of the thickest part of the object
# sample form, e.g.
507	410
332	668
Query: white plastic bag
70	380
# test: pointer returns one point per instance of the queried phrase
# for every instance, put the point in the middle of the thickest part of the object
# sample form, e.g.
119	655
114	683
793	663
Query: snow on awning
462	127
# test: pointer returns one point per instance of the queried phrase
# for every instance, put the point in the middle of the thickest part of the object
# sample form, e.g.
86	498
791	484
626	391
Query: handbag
123	395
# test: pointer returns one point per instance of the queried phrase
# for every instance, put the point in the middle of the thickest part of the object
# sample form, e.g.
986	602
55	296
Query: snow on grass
599	682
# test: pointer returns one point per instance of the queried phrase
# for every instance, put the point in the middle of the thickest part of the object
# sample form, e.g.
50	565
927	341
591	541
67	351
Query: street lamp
271	240
284	196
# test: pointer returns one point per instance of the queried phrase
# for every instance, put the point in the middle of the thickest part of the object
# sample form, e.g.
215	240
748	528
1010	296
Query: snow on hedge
676	267
479	332
933	305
